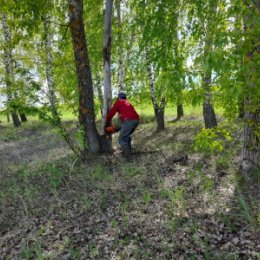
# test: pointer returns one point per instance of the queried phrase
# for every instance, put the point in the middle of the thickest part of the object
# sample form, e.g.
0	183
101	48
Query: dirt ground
169	202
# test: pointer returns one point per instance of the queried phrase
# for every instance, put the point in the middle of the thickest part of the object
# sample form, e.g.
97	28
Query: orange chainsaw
111	129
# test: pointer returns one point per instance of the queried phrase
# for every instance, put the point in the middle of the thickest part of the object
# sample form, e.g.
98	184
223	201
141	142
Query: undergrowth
151	208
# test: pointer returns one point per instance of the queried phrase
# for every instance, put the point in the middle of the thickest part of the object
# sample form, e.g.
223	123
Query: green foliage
211	141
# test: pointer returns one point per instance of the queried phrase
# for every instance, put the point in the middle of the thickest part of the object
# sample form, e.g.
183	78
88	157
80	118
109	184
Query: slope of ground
159	206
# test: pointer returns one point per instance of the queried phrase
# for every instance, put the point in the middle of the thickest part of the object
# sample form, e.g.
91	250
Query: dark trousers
127	128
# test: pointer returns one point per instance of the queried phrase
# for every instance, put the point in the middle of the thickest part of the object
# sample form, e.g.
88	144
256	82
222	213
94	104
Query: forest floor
156	207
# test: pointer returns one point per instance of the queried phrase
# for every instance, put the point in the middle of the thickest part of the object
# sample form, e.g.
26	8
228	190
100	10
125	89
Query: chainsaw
112	129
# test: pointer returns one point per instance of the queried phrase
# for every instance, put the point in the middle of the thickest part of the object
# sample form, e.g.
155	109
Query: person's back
125	110
129	119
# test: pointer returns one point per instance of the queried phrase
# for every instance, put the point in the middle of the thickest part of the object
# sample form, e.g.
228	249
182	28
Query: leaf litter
106	208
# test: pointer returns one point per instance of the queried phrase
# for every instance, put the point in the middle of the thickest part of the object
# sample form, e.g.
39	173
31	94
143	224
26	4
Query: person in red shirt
129	121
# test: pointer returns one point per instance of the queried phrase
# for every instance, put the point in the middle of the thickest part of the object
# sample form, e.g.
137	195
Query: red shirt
125	110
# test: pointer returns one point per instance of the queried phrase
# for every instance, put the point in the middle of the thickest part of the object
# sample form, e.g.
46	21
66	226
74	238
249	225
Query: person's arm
112	112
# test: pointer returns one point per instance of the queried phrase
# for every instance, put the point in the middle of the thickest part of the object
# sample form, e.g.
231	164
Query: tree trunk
16	120
250	156
180	112
23	117
208	110
9	73
107	59
241	111
8	117
121	70
100	94
158	108
159	113
49	72
85	85
56	120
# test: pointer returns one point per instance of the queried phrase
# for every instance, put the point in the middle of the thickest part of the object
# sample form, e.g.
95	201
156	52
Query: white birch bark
48	68
107	59
151	82
9	70
158	107
121	60
51	85
208	109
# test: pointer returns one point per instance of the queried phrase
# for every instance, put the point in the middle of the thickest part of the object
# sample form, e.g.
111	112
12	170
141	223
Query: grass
145	111
105	208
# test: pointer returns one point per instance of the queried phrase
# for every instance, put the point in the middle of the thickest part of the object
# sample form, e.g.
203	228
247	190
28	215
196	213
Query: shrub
210	141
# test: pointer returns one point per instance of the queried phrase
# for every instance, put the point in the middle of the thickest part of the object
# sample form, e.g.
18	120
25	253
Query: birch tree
49	62
9	71
208	109
158	106
107	58
121	51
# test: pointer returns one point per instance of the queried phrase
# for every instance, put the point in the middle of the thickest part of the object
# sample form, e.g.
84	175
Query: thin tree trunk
107	59
100	94
208	109
180	112
241	111
178	68
8	117
158	108
159	113
85	85
121	70
16	120
9	73
23	116
56	120
48	67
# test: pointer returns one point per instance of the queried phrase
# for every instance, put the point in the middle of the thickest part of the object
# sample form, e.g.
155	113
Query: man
129	120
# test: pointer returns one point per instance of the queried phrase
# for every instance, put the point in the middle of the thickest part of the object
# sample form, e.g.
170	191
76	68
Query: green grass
146	112
170	110
2	116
